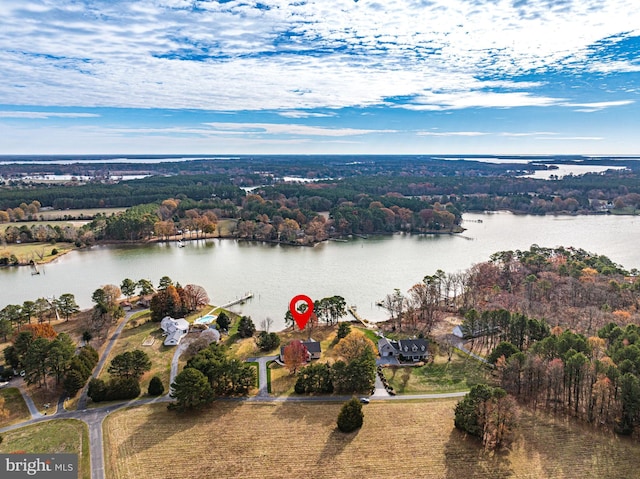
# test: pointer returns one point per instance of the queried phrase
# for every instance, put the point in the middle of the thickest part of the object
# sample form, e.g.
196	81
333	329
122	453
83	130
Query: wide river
363	271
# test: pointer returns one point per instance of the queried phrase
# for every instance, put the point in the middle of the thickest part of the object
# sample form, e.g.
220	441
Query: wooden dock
245	297
366	323
237	301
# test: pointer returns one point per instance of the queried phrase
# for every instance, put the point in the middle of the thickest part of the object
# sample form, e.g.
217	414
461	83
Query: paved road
458	343
380	391
95	416
33	410
82	403
263	385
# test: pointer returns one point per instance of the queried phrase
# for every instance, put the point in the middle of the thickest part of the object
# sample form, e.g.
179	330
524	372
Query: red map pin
301	318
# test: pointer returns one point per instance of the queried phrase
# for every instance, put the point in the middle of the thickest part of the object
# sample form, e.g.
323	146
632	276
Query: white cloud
597	106
523	134
297	56
477	99
43	115
289	129
571	138
304	114
451	133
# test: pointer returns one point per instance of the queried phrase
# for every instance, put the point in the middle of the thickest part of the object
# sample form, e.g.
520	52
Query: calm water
363	271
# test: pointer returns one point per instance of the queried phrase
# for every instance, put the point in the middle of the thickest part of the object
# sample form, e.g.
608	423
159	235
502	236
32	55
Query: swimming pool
209	318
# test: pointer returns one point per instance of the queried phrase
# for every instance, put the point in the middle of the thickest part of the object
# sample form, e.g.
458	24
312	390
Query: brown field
14	406
398	440
59	436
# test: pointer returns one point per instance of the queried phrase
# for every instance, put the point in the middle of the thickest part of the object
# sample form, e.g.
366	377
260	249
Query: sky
320	77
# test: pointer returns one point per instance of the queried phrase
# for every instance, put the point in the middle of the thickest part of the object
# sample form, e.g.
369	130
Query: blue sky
320	76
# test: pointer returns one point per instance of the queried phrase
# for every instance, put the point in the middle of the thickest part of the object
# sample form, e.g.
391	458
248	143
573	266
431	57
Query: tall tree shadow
337	441
466	458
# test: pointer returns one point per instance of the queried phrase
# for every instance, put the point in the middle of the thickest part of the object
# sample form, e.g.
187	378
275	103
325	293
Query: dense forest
340	195
588	363
559	325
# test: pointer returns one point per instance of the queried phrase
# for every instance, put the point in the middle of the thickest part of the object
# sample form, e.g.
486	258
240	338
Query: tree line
42	353
14	316
595	378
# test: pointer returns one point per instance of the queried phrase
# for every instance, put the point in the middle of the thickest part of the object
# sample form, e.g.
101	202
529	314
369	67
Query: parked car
364	400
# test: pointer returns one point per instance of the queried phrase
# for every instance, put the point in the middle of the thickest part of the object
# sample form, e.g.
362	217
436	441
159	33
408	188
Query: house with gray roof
408	350
174	330
314	350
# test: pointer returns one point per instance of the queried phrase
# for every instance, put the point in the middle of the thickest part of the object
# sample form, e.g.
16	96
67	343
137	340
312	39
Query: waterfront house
314	350
407	350
174	330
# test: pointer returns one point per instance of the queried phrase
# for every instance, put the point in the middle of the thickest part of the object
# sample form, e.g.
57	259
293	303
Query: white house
174	330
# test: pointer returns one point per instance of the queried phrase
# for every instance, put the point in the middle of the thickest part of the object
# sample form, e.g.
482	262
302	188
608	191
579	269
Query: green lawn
160	355
15	408
77	214
627	210
368	333
255	365
226	226
437	377
38	252
57	436
30	224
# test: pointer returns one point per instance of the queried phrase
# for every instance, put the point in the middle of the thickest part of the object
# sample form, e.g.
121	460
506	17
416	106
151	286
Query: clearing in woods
398	439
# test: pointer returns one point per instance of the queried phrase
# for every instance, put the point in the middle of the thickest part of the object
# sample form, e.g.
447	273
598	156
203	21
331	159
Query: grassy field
81	213
438	377
15	406
226	226
398	440
59	436
282	381
132	338
38	252
30	224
